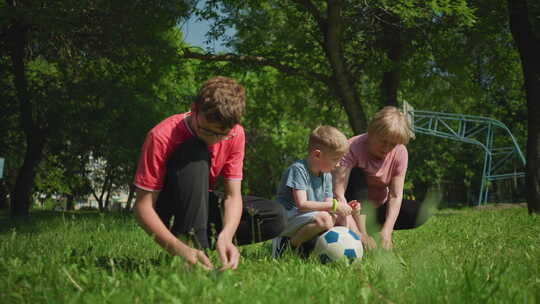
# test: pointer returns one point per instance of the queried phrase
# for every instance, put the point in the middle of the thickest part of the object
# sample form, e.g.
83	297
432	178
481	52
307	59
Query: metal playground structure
475	130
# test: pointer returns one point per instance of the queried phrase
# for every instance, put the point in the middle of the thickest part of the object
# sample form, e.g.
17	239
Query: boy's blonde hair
222	100
328	139
391	123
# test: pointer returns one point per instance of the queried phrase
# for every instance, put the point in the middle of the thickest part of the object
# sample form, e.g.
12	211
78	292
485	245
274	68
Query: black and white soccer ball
338	243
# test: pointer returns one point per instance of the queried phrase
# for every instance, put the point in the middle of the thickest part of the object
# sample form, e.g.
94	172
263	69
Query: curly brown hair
222	100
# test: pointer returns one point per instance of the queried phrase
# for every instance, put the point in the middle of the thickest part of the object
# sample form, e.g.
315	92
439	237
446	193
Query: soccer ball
338	243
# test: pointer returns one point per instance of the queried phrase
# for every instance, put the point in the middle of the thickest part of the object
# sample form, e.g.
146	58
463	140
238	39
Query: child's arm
340	178
300	199
395	198
367	240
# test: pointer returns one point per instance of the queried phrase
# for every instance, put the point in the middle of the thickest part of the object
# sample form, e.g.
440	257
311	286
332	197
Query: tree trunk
131	195
528	45
69	202
101	206
391	42
389	87
99	198
108	188
107	204
3	195
24	184
42	200
343	83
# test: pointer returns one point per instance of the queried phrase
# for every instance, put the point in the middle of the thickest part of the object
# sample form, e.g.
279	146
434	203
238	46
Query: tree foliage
69	60
447	56
83	81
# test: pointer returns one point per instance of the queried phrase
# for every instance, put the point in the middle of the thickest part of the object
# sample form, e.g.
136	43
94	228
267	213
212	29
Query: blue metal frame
476	130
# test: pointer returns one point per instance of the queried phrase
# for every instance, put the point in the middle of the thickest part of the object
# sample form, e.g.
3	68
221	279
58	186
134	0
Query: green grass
459	256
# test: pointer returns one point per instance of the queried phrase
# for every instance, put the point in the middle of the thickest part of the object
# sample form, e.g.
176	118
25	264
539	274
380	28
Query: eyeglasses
208	132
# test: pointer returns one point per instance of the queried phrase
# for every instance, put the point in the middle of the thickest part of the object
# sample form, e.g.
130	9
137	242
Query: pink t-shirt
379	172
227	156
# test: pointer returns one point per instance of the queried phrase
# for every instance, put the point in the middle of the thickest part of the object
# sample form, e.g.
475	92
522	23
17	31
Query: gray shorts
296	219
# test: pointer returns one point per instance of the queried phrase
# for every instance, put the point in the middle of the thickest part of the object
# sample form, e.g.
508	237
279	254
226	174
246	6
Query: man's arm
152	224
394	205
232	203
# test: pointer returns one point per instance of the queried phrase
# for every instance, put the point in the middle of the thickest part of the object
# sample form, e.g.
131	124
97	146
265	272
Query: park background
82	83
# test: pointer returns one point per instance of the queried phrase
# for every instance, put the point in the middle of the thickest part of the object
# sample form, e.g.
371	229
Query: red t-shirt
227	155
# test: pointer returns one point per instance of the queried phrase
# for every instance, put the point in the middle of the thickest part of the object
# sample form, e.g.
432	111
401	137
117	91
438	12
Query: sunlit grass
458	256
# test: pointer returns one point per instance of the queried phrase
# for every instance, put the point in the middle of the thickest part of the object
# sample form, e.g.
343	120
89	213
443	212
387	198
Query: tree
329	42
281	112
525	28
469	70
66	36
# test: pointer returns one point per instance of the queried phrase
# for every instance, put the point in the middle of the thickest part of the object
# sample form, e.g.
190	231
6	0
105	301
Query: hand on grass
194	256
228	254
368	242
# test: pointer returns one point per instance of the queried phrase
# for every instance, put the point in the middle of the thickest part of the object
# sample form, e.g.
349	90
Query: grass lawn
458	256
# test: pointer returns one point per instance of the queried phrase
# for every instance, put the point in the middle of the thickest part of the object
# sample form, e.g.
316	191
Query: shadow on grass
86	258
129	264
445	214
39	220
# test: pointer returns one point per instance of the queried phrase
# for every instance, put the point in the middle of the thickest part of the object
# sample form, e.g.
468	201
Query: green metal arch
469	128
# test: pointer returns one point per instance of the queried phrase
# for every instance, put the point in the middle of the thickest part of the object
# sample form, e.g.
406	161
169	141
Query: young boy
180	161
374	170
306	191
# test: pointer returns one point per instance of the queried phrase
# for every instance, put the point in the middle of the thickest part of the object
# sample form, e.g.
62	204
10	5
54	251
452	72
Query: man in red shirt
180	161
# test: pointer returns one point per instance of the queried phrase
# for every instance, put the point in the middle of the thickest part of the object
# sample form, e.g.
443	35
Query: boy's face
209	132
328	161
379	146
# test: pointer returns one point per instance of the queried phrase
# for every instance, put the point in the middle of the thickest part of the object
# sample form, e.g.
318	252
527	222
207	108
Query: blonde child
307	195
373	171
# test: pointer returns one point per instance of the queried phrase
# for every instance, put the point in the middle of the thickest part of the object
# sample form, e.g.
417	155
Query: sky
194	33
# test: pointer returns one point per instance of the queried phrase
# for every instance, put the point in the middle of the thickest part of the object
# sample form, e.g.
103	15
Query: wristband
334	205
